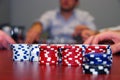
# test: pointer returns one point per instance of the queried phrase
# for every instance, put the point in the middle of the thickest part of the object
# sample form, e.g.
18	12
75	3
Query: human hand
5	40
31	36
78	29
110	35
34	33
87	33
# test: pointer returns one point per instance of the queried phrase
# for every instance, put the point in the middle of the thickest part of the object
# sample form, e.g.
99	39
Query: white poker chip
20	52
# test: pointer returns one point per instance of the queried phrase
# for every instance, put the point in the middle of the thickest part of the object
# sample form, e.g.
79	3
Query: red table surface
10	70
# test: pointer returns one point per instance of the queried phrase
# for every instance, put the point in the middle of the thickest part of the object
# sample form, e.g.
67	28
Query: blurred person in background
5	40
63	25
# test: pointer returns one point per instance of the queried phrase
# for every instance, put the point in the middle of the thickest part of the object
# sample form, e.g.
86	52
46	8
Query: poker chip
97	54
97	49
48	54
95	70
20	52
34	52
98	58
72	55
95	59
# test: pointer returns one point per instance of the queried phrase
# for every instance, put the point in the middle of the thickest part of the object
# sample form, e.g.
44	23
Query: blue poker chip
98	58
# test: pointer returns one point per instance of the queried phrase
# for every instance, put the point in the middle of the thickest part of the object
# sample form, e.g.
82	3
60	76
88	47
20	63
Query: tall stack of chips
72	55
48	54
97	59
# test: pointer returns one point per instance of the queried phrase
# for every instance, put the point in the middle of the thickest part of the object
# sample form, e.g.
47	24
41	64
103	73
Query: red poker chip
96	49
71	54
71	63
46	58
48	54
48	48
69	47
48	62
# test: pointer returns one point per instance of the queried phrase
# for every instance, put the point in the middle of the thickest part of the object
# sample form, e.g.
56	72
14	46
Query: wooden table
10	70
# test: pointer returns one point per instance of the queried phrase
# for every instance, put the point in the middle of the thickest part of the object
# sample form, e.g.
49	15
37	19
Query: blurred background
22	13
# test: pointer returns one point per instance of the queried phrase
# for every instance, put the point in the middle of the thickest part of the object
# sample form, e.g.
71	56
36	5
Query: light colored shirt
61	29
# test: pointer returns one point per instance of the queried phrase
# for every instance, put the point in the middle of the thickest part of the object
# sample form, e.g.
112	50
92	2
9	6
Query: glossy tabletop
10	70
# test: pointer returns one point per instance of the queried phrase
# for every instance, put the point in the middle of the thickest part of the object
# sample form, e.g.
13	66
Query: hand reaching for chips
5	40
109	35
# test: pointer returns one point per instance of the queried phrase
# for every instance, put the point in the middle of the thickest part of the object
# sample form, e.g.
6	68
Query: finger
96	40
101	37
3	43
115	48
9	40
89	40
29	40
105	36
30	37
6	41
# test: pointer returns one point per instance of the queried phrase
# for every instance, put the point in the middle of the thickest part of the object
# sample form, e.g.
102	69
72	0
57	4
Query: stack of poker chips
97	59
21	52
25	52
48	54
71	55
34	52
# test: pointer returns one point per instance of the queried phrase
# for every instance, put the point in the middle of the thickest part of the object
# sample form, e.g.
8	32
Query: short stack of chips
48	55
25	52
20	52
97	59
71	55
34	52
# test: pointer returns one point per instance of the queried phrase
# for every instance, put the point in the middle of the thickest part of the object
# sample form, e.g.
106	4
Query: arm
33	33
86	28
42	23
84	32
